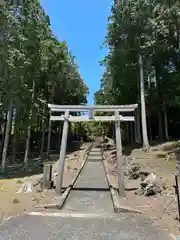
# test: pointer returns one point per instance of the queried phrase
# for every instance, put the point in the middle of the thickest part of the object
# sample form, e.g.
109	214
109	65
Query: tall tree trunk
29	127
7	133
143	106
14	138
160	125
165	122
14	144
50	125
27	141
4	129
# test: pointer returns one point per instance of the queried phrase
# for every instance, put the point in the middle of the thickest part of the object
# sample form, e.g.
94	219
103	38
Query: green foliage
29	53
35	69
152	28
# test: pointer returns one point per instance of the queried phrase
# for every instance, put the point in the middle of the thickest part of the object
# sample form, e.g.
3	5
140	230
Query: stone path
92	178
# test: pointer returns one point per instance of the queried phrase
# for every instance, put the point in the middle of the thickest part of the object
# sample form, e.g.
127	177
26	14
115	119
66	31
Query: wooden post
47	175
119	156
60	170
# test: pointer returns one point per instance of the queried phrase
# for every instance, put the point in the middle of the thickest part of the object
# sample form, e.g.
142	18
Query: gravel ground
121	227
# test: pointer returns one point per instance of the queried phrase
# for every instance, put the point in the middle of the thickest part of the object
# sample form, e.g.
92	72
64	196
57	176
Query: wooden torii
66	117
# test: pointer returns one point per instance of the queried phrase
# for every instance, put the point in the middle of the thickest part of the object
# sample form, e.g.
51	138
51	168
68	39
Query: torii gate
116	109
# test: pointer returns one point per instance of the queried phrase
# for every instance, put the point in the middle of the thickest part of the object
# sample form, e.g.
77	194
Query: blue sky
83	25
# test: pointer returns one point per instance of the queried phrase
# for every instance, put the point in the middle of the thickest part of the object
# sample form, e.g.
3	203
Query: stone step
95	150
93	158
94	153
